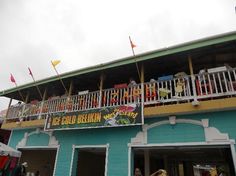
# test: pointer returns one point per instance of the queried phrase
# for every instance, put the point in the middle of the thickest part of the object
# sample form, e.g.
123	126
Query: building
178	116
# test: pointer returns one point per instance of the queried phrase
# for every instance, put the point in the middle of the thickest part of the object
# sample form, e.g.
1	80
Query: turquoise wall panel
176	133
16	137
119	137
40	139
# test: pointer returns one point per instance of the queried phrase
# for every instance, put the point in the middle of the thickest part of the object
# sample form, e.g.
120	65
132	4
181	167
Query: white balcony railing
216	84
181	89
168	91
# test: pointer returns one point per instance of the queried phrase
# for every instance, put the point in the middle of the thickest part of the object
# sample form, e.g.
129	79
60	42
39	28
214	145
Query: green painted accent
129	60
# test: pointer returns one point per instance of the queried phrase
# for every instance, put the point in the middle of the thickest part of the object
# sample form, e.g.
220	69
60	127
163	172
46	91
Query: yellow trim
188	108
24	124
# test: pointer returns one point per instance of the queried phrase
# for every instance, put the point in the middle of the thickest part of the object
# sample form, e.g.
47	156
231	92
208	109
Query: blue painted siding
16	136
118	138
176	133
38	140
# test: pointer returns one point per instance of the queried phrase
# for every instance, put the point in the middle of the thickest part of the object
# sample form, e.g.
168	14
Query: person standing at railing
132	82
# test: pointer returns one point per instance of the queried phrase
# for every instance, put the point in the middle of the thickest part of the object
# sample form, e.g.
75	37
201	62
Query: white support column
232	143
129	160
147	162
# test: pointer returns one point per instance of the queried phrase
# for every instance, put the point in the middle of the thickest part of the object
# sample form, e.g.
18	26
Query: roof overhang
188	47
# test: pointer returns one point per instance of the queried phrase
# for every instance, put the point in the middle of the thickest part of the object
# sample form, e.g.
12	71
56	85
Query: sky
83	33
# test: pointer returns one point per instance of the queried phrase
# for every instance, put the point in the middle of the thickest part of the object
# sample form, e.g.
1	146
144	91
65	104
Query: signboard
125	115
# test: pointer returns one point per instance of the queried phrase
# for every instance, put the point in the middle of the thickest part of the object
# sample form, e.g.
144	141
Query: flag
30	72
131	43
55	63
12	79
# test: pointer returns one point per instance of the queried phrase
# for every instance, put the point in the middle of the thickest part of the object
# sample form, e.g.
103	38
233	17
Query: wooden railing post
100	90
24	105
192	80
8	108
42	103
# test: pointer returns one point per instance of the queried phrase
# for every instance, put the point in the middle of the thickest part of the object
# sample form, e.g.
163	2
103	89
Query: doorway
39	159
91	161
185	160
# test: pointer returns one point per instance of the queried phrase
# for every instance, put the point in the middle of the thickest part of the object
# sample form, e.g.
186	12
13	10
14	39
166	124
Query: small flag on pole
132	47
131	43
30	72
12	79
55	63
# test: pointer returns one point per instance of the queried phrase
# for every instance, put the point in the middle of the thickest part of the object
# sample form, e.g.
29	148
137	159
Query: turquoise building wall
119	137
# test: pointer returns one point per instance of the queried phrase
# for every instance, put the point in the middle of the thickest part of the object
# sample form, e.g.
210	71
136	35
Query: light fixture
172	120
195	103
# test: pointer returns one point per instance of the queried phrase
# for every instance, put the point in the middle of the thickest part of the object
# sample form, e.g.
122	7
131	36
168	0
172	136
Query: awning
7	150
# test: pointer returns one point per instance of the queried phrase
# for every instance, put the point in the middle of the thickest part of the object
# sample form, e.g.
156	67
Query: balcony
214	84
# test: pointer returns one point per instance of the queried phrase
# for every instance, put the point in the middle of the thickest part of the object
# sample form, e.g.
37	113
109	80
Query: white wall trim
183	144
232	147
212	137
72	159
55	164
230	143
129	159
163	122
10	137
212	134
106	146
43	147
51	142
91	146
106	160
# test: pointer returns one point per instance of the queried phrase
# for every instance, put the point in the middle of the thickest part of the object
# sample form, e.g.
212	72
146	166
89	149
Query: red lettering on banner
150	91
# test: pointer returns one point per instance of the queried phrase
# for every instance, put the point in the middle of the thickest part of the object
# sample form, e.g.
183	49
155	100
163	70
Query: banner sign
106	117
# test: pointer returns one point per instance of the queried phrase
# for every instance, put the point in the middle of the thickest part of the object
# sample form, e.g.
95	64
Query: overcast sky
82	33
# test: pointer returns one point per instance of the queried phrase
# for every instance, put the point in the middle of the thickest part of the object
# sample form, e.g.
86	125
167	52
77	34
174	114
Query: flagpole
14	81
59	78
132	47
41	96
20	93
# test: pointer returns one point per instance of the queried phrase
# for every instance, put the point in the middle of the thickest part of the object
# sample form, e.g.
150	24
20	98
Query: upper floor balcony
193	77
213	83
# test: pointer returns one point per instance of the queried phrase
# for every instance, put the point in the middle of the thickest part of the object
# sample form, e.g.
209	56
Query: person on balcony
132	82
